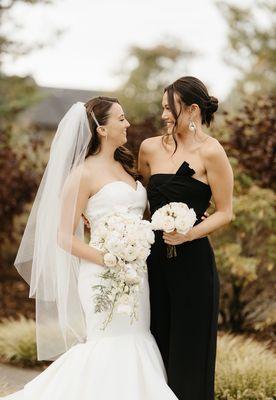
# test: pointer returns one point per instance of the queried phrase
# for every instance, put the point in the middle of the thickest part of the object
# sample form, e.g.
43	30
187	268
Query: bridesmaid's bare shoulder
211	148
151	144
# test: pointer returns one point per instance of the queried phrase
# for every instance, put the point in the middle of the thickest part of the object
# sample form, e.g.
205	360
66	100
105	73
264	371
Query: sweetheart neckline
135	190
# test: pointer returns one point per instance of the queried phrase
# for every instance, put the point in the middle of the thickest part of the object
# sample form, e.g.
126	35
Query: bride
89	172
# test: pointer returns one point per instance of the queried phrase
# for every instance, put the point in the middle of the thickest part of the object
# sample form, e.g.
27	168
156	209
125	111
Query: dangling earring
106	137
192	126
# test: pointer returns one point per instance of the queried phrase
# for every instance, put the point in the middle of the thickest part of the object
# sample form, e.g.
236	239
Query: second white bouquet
125	239
173	216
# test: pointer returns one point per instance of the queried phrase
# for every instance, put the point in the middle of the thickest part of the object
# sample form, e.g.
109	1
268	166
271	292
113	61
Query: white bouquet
125	239
173	216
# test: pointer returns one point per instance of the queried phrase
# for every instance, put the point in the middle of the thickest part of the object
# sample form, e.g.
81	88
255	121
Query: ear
101	131
194	109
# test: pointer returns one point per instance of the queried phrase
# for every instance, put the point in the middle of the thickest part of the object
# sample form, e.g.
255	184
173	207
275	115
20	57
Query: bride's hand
85	221
175	238
206	214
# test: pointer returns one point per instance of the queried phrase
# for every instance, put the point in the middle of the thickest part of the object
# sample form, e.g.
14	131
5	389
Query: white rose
130	253
150	236
113	245
143	252
168	224
131	276
157	221
110	260
180	209
183	224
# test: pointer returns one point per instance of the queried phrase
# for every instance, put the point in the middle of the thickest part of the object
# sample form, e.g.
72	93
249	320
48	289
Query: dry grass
246	370
4	388
18	341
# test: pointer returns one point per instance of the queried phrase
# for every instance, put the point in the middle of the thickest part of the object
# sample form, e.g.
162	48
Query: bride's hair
98	110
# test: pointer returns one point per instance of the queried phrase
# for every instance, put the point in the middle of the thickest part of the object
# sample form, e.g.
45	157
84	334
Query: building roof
54	104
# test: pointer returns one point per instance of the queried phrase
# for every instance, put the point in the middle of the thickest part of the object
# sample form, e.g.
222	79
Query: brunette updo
99	107
192	91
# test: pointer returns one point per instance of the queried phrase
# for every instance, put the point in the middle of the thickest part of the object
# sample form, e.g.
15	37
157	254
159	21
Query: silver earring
192	126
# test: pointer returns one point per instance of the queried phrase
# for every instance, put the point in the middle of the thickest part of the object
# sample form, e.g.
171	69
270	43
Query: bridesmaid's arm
220	179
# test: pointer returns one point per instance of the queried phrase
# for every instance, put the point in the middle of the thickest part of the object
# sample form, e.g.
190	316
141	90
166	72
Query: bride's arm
143	164
76	191
144	171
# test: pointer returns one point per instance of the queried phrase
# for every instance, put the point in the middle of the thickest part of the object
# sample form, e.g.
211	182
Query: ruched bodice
114	195
179	187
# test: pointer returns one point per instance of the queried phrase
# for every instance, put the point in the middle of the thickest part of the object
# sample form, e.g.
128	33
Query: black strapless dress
184	292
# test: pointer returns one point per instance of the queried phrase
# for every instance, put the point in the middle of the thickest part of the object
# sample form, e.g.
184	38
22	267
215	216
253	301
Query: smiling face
183	114
116	127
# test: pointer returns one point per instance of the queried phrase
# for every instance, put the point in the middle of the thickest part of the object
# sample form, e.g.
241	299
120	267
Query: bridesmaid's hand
175	238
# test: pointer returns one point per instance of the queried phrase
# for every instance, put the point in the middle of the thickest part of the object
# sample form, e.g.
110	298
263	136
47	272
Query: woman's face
183	112
116	127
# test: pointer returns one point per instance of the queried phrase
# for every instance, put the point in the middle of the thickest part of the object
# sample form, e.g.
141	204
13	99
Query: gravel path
16	377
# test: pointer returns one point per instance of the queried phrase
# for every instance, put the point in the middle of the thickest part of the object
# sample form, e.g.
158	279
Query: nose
127	124
164	115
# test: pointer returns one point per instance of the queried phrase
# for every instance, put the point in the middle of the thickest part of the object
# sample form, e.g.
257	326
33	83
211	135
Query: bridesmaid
187	165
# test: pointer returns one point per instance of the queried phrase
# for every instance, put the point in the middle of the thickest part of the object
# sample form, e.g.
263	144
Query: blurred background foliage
245	125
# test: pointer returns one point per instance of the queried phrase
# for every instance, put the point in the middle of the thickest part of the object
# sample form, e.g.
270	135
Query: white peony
110	260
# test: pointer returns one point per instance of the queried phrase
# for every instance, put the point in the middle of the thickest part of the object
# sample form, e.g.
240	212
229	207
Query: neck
187	136
107	151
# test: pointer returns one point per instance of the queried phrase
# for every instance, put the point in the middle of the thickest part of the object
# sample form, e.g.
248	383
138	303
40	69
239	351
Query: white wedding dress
121	362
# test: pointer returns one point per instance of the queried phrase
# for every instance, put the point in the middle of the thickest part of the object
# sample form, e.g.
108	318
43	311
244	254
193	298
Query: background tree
246	248
252	44
148	71
19	172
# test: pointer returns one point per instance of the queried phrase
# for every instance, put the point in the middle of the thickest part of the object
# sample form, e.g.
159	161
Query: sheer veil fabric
50	268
